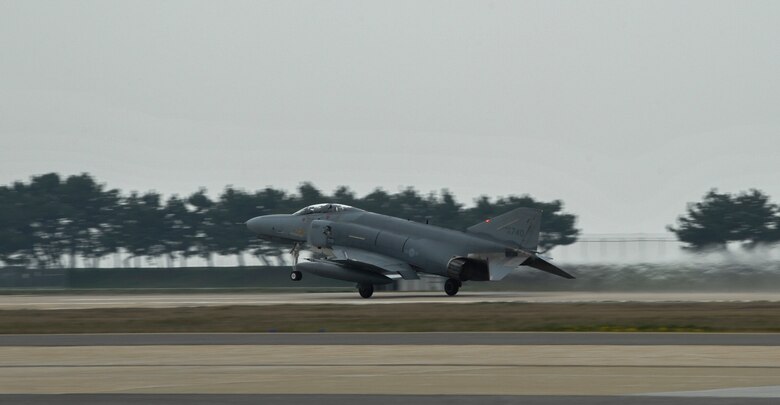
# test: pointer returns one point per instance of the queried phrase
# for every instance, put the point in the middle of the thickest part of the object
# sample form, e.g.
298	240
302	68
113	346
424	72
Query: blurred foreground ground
453	369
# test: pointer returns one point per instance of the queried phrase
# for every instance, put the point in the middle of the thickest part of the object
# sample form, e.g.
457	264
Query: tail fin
519	227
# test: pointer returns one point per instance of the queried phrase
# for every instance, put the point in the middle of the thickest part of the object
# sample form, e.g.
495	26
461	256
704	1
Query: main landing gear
296	275
366	290
451	286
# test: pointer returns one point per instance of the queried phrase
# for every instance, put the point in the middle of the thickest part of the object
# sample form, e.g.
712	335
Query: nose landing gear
295	275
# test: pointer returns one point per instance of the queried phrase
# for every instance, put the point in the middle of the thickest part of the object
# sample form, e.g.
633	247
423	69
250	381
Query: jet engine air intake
320	234
464	269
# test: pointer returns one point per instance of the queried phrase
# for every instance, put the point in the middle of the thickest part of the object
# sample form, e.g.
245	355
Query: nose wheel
366	290
451	286
296	275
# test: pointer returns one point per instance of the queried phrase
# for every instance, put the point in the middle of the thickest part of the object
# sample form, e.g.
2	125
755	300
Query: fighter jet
354	245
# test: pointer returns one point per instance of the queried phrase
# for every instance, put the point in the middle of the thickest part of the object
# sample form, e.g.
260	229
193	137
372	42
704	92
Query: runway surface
386	368
542	368
81	301
383	339
151	399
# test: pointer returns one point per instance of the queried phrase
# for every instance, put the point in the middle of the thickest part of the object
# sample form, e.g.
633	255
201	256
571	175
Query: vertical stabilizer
519	227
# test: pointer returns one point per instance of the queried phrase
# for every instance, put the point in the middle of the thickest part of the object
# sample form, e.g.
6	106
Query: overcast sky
624	110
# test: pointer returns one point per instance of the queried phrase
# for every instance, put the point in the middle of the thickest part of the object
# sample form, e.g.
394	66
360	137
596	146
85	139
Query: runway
428	368
151	300
334	399
385	368
395	339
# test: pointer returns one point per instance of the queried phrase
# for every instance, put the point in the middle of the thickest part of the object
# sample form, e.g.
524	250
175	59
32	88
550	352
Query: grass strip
617	317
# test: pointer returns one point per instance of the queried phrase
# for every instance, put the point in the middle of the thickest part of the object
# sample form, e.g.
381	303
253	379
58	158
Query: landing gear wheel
295	275
451	286
366	290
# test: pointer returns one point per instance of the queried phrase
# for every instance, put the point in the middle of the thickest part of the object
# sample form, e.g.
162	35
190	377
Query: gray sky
625	110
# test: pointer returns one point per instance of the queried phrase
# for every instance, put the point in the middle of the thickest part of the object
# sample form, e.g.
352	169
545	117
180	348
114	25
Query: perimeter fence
606	249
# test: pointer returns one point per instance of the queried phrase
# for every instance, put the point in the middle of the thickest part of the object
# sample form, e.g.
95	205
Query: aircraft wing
370	261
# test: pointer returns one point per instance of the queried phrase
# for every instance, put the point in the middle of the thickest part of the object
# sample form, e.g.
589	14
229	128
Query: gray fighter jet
351	244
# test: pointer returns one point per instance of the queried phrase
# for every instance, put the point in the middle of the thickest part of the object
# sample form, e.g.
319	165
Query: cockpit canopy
325	208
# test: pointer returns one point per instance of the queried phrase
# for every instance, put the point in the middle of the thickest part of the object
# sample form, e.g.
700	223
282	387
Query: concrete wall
11	277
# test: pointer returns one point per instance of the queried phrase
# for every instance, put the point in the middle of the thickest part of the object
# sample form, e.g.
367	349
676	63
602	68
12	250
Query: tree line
51	220
748	218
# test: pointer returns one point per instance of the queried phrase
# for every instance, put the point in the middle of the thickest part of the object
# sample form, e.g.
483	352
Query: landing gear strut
366	290
451	286
295	275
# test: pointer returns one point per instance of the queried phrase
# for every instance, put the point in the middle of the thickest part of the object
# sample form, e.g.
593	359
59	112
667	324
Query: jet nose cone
259	225
278	226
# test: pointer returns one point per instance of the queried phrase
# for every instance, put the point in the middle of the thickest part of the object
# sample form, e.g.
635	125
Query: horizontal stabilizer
543	265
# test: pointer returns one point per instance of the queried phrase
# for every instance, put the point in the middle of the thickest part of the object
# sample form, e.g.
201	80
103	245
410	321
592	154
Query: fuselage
425	247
